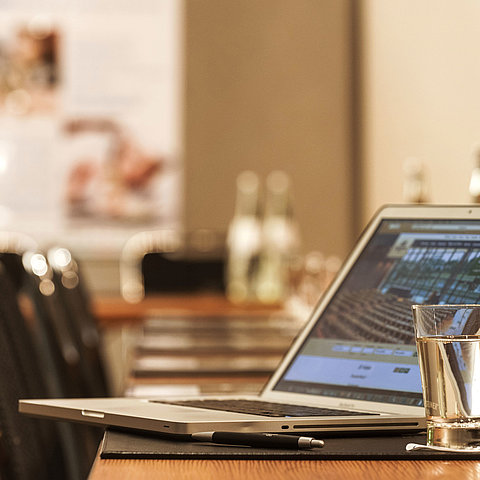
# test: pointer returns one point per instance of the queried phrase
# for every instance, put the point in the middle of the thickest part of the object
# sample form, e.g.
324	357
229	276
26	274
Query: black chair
66	370
21	439
54	337
163	261
75	303
30	448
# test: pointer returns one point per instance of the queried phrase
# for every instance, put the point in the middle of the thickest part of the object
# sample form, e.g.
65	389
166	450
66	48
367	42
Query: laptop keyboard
258	407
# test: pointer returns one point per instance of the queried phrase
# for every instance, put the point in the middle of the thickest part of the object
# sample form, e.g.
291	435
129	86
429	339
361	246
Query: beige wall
421	96
268	87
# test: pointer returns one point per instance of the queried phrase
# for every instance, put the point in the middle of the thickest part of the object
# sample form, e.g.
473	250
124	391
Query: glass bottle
243	239
280	240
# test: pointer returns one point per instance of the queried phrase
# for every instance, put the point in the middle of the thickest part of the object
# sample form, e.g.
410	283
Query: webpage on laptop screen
363	346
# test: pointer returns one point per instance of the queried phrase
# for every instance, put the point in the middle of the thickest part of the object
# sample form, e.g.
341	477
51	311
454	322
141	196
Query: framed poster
90	120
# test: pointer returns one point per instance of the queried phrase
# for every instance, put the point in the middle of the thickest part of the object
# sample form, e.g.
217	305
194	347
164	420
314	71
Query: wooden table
283	469
114	310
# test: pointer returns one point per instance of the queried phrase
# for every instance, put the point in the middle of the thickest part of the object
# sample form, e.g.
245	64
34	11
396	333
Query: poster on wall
90	120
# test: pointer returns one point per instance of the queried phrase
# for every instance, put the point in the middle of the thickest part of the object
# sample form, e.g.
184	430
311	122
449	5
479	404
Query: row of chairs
49	347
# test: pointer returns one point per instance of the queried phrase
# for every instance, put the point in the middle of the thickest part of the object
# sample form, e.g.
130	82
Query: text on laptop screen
362	346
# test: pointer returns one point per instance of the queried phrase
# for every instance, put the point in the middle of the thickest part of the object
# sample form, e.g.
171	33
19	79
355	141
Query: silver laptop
354	366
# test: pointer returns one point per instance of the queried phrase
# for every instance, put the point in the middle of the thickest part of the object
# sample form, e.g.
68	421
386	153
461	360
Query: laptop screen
362	346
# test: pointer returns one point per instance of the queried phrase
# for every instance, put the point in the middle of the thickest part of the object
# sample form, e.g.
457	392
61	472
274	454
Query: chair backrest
163	261
21	438
32	448
55	339
65	369
74	297
15	327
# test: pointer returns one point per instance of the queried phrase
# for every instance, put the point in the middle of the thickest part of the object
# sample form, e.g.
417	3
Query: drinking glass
448	345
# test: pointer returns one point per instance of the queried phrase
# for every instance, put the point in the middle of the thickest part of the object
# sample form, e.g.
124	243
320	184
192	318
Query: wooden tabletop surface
283	469
113	310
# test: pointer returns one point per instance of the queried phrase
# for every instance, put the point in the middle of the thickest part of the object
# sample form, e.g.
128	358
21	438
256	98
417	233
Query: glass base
454	435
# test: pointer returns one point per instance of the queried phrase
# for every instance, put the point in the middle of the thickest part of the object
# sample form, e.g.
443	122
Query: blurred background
119	118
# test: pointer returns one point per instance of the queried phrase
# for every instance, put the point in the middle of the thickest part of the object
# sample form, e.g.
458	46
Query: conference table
112	312
104	469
